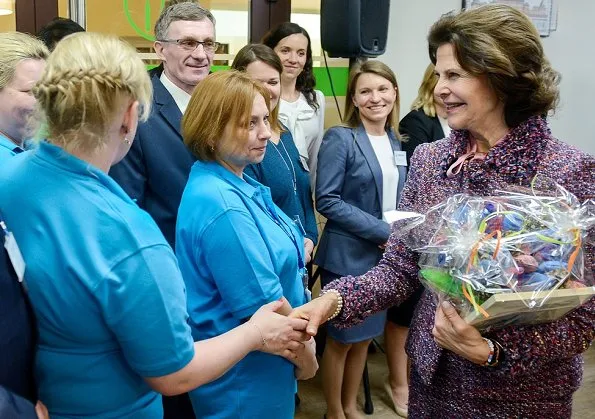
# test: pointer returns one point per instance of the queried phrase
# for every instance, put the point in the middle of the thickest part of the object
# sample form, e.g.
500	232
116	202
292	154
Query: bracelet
264	341
339	303
496	353
501	355
491	357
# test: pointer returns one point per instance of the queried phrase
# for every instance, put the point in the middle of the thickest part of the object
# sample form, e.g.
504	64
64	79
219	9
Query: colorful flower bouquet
513	258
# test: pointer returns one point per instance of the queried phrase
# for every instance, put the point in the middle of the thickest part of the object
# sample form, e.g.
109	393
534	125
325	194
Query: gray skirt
370	328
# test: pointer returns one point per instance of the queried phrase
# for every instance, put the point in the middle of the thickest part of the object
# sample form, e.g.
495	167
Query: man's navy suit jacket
156	169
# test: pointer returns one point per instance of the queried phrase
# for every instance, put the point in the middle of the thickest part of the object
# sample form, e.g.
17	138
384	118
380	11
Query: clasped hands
285	336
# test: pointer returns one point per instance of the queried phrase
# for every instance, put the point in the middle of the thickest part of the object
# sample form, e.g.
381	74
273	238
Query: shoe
401	410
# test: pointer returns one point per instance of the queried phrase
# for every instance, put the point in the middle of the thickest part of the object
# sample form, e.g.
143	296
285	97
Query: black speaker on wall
354	28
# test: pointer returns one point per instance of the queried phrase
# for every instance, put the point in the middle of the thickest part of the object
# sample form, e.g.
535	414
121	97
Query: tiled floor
313	407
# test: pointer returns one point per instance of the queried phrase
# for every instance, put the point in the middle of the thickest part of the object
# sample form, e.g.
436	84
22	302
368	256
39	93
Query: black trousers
178	407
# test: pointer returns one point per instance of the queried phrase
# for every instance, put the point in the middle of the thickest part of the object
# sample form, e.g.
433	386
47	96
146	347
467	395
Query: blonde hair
222	98
352	118
502	43
88	77
425	93
14	48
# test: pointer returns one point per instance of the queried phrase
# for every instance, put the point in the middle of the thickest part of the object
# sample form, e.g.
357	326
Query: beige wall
7	23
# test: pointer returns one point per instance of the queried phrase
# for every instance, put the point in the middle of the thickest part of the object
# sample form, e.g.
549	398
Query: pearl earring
127	141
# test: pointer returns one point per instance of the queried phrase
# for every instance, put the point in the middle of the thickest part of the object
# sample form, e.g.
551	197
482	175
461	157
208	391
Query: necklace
292	170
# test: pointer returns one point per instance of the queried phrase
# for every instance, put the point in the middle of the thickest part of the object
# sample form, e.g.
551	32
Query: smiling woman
498	86
361	174
301	108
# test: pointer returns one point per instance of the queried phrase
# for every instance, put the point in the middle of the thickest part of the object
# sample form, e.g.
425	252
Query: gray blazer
349	195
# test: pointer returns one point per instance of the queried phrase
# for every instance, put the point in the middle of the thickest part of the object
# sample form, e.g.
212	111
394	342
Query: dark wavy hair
305	82
502	43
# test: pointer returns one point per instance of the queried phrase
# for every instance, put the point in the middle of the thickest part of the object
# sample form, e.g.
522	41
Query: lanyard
271	212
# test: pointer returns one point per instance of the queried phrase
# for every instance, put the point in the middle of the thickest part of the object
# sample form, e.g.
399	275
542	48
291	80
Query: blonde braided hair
89	79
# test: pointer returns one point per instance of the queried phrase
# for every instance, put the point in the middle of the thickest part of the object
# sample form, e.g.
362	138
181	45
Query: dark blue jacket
349	195
156	169
17	342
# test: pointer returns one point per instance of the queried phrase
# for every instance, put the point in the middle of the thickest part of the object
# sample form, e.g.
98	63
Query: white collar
181	97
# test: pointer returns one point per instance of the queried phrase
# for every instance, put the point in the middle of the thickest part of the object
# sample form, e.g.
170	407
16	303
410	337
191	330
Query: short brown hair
425	93
222	98
260	52
352	118
502	43
186	10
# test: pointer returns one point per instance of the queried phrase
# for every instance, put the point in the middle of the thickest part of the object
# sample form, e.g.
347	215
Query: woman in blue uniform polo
103	282
237	250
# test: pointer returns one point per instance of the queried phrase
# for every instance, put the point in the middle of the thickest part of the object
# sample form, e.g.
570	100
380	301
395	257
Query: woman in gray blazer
361	172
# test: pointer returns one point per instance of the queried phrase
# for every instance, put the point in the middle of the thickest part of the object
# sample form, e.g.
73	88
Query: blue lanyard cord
272	213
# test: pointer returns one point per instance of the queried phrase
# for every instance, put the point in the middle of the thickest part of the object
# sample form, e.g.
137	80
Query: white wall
569	49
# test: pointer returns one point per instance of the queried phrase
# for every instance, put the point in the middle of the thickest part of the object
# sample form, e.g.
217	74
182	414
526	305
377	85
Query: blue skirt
370	328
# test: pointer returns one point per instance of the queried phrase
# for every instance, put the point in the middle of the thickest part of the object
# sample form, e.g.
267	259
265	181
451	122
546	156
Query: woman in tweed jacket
497	86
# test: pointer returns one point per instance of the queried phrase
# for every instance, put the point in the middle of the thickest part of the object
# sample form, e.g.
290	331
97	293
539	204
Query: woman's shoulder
435	149
339	132
416	115
569	166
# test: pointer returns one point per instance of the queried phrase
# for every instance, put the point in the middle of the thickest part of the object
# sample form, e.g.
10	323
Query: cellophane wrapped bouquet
512	258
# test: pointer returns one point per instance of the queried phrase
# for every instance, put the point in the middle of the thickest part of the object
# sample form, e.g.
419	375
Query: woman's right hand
277	334
317	311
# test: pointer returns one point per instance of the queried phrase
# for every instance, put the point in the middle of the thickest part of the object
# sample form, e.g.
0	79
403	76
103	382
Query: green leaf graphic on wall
146	27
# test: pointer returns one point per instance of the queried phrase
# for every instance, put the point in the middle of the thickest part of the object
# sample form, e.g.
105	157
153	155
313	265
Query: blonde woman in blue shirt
103	282
22	59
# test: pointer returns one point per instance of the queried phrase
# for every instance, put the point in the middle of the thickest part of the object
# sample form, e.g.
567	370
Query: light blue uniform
238	251
104	285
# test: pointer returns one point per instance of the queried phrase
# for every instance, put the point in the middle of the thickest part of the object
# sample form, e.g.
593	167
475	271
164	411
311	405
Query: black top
17	330
418	128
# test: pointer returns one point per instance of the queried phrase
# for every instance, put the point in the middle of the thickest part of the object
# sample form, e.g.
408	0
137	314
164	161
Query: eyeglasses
191	44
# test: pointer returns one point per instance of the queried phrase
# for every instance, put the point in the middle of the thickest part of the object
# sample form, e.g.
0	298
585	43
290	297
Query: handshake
291	336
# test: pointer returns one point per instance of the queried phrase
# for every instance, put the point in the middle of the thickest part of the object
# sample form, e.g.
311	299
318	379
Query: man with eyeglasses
155	171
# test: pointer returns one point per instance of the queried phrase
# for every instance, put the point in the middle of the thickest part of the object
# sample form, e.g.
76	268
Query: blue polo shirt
8	148
104	285
237	251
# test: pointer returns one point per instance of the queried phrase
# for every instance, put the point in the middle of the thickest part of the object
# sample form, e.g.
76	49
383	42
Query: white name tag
400	158
394	215
15	256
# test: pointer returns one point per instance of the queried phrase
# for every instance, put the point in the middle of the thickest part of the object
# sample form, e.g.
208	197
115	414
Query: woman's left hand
455	334
308	249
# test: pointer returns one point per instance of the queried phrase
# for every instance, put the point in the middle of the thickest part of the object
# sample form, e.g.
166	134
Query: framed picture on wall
543	13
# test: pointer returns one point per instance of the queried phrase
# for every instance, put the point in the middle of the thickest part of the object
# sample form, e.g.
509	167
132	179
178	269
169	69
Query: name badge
400	158
15	256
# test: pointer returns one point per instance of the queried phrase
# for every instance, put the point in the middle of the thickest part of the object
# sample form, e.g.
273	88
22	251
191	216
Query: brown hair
260	52
425	93
306	82
502	43
87	78
222	98
352	118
